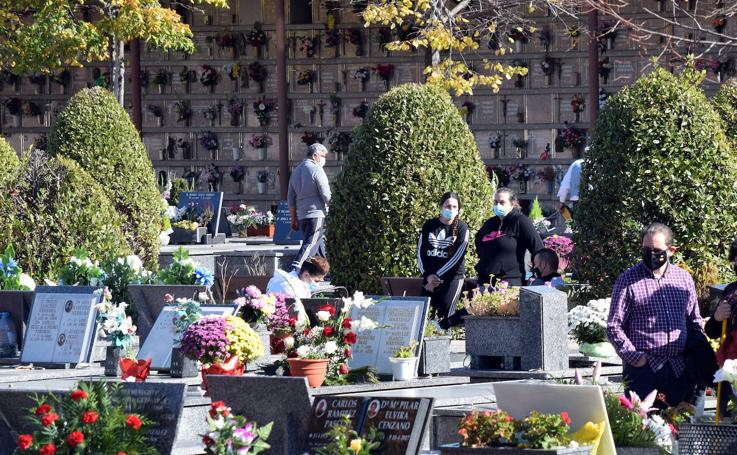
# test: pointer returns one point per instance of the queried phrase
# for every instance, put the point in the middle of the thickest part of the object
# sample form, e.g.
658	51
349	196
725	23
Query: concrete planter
454	449
535	340
435	355
149	300
186	237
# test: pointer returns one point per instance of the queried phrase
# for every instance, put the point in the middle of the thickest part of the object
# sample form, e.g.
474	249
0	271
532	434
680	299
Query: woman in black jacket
726	310
502	241
441	252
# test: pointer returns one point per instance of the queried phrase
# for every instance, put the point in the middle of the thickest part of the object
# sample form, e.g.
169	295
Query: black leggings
443	300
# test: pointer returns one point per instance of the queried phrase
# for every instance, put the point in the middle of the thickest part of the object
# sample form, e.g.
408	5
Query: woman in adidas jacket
441	253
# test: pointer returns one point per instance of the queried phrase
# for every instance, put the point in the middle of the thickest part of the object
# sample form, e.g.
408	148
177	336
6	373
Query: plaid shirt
651	317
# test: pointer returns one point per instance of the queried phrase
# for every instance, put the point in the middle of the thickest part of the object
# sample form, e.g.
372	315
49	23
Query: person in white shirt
300	284
570	186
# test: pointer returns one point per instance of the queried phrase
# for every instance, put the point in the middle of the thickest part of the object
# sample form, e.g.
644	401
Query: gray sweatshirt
309	190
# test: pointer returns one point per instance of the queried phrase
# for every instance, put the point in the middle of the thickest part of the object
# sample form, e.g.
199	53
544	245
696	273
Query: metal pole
282	101
135	46
593	17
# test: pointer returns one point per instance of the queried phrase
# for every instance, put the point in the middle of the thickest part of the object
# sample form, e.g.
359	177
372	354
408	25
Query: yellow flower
356	445
244	342
590	434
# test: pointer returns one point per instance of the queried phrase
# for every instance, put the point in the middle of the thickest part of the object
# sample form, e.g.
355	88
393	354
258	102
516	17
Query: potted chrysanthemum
587	325
222	344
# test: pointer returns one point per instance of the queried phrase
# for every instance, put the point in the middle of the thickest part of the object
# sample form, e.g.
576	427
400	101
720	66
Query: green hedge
412	147
658	154
54	207
725	103
9	162
96	132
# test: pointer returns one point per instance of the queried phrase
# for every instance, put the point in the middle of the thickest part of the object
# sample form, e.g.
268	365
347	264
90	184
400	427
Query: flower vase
404	369
231	367
160	89
181	365
518	46
261	153
522	187
311	85
603	350
236	154
112	361
314	370
136	369
262	187
159	122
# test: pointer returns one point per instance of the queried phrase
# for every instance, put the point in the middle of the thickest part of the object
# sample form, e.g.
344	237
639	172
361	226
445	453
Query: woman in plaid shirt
653	309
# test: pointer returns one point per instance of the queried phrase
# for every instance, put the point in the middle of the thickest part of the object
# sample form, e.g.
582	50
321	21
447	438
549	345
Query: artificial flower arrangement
183	111
187	76
354	36
235	109
309	138
719	23
209	140
212	112
183	270
187	312
344	440
263	176
536	431
263	110
233	71
521	173
209	76
162	78
233	434
571	136
258	141
156	110
361	110
257	36
81	271
12	277
245	217
362	74
577	103
384	71
339	141
305	77
237	173
332	37
498	300
587	325
256	307
114	323
83	421
190	217
307	46
547	66
257	72
221	340
335	104
563	247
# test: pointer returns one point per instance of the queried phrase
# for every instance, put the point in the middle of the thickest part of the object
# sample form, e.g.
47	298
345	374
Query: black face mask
654	259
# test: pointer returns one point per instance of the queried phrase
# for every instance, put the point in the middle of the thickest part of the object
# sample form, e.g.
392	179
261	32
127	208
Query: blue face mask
312	287
448	214
500	211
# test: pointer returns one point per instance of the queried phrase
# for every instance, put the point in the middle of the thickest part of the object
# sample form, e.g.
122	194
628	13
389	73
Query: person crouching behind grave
545	269
502	241
441	252
653	312
726	311
300	284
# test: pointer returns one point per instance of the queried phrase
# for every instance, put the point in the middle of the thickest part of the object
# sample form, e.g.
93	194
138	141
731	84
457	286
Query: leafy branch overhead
453	32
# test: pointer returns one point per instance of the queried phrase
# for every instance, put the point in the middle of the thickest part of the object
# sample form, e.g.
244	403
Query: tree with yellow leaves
46	35
452	30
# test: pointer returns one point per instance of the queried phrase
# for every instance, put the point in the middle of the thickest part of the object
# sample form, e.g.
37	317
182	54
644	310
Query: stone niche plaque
329	411
624	71
570	75
329	78
61	326
541	109
285	401
566	110
486	111
250	11
304	112
155	144
406	72
404	318
161	338
401	423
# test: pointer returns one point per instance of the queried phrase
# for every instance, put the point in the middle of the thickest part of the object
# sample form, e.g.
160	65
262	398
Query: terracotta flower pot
314	370
137	369
231	367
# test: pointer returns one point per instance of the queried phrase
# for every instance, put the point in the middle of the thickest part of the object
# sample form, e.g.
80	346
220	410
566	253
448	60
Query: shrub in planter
96	132
401	149
647	164
53	208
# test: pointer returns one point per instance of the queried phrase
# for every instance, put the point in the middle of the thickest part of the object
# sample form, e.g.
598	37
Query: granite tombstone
331	411
400	422
283	233
203	201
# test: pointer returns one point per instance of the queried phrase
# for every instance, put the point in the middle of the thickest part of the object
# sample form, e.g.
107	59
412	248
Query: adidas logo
437	254
440	241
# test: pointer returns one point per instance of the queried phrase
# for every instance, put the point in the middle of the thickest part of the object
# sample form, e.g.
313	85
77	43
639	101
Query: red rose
122	453
566	419
292	355
75	438
78	395
48	449
89	417
350	338
329	308
292	322
348	352
49	418
133	422
207	441
343	368
24	441
328	331
43	409
346	323
306	332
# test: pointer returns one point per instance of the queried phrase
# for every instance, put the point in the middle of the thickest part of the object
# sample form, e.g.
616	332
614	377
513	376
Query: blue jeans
644	380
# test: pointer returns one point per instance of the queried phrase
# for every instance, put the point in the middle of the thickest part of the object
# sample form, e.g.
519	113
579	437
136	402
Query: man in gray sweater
308	197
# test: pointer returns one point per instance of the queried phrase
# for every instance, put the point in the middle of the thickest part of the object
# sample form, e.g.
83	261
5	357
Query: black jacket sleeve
459	252
528	234
478	243
420	257
713	328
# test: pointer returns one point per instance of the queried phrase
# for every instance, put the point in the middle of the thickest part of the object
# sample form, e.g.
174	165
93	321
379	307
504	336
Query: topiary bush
725	103
658	154
412	147
9	162
54	207
96	132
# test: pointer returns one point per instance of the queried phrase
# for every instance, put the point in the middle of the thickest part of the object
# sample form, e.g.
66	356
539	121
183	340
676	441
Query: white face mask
321	161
